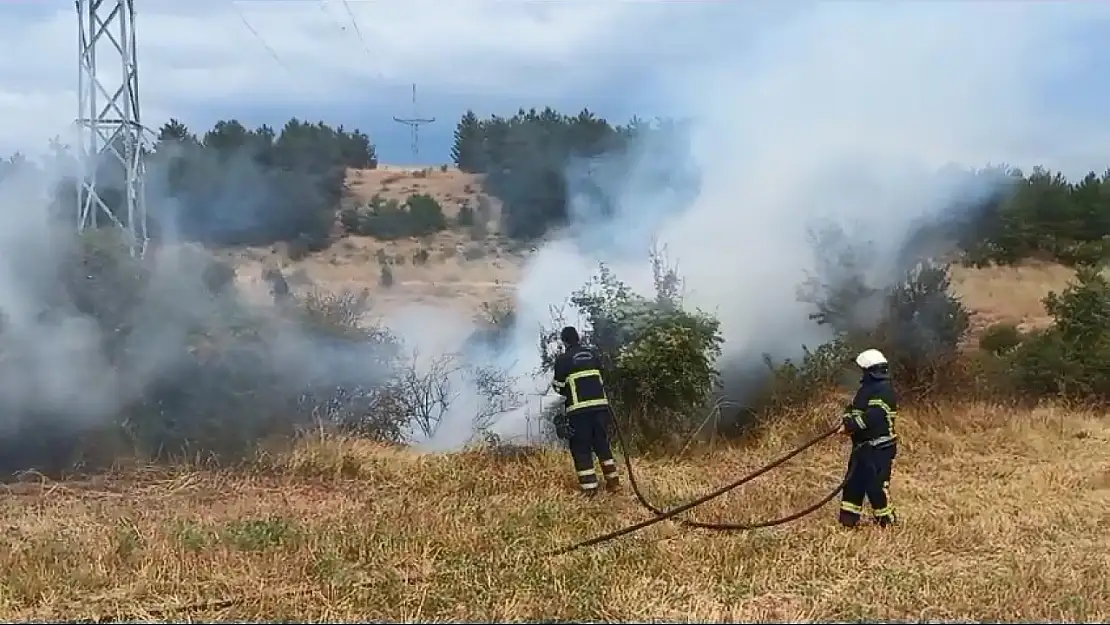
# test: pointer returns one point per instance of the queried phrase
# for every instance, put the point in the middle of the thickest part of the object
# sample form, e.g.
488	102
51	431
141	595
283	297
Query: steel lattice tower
108	122
414	123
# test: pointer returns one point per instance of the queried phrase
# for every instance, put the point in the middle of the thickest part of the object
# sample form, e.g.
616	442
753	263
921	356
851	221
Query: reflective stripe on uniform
587	479
884	512
882	440
857	415
891	417
609	467
848	506
878	403
575	404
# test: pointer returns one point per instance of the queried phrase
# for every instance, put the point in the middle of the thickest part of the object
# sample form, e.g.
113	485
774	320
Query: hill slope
1004	519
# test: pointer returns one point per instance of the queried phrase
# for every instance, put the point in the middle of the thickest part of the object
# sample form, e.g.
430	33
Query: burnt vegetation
104	357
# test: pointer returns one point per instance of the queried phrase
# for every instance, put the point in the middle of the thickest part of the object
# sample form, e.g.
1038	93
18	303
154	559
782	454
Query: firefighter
870	422
584	422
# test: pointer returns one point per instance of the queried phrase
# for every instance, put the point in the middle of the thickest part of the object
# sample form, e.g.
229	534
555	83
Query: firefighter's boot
612	476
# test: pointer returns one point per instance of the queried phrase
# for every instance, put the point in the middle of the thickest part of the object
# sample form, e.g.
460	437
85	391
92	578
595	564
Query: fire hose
662	515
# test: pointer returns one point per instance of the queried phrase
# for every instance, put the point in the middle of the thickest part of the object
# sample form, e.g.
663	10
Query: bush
465	218
1000	338
914	319
425	215
160	358
1069	358
658	358
420	215
922	329
792	384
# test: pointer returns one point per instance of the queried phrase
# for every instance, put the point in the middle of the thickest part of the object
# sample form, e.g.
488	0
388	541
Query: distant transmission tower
414	123
108	120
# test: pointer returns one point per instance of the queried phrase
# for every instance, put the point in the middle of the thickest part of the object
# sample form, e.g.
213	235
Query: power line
358	31
261	39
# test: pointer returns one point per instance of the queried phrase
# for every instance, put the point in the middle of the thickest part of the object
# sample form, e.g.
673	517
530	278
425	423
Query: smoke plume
839	114
829	113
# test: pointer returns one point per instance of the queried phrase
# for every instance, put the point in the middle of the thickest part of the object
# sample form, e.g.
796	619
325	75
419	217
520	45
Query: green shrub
659	358
1000	338
171	362
915	320
1069	358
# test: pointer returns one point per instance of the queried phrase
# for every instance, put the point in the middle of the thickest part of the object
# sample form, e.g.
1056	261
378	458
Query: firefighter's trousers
588	437
871	481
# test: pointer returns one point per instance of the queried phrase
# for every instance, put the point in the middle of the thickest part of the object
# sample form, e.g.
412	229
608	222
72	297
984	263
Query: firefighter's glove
562	427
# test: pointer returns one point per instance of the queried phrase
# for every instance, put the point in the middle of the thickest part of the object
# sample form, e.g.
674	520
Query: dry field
1004	513
1011	294
1004	519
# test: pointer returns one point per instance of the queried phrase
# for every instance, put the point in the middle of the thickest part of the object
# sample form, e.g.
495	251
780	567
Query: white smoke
840	112
830	111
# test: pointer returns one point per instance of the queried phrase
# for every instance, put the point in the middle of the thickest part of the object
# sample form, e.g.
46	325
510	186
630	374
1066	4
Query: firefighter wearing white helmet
869	421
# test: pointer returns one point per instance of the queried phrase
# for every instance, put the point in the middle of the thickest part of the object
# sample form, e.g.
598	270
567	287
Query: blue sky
199	61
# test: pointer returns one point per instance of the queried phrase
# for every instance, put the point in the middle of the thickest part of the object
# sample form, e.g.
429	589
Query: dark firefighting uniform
578	380
870	420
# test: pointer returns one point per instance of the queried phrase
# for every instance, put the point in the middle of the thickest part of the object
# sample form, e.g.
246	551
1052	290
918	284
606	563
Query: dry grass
1003	520
1011	294
449	187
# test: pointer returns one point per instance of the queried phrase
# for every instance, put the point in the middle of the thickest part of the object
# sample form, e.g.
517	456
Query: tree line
527	159
230	186
536	161
233	185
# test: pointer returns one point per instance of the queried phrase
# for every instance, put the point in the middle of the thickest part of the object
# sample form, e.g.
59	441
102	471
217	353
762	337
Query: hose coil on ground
663	515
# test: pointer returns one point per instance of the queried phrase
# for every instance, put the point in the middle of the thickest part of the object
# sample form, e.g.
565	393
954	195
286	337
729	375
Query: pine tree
467	152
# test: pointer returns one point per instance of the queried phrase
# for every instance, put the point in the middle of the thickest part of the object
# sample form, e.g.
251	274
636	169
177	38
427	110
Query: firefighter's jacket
578	379
871	416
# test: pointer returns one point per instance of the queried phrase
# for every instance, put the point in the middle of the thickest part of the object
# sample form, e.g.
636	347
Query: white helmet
870	358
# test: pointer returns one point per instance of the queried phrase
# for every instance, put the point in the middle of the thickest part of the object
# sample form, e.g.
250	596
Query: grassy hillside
457	268
1002	512
1002	521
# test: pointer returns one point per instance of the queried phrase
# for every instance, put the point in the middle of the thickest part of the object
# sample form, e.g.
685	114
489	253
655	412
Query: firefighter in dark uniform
870	421
583	424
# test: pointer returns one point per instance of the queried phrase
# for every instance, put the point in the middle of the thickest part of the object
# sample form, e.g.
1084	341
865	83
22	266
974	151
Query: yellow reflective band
589	403
860	422
609	463
850	507
880	404
585	373
586	473
887	511
891	415
588	485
